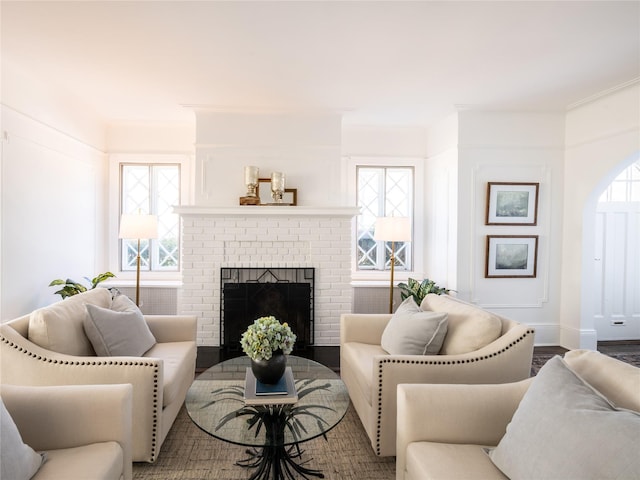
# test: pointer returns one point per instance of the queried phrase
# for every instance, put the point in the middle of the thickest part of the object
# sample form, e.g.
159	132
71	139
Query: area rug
190	454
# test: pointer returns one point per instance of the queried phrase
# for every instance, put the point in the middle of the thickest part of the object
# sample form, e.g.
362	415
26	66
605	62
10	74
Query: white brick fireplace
266	236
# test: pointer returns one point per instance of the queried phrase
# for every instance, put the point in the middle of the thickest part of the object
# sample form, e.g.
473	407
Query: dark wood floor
617	346
330	356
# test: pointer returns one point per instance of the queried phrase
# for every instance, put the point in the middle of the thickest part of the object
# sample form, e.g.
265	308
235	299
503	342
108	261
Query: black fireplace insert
250	293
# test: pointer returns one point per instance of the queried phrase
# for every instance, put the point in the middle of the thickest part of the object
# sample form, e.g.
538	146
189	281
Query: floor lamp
392	229
138	227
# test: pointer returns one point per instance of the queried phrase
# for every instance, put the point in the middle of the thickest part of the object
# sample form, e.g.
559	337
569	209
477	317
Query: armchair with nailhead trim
160	377
372	375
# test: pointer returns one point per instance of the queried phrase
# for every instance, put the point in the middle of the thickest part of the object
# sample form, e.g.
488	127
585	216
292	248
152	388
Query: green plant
419	290
266	335
71	287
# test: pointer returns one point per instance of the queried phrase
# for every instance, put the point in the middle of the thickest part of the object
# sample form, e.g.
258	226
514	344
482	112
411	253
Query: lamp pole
138	276
393	263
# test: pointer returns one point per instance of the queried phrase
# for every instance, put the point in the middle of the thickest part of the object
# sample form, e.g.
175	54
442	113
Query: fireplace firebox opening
250	293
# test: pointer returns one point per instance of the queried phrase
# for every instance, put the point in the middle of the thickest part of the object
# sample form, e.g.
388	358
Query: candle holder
251	181
277	186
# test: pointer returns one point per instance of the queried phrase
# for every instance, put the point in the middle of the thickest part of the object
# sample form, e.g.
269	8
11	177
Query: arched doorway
616	257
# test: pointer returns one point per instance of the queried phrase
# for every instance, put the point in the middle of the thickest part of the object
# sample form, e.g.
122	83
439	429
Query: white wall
306	147
512	147
602	138
53	190
440	185
53	211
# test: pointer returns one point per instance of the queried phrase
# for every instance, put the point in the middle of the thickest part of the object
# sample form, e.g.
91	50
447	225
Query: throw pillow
59	327
470	328
19	460
119	331
563	428
412	331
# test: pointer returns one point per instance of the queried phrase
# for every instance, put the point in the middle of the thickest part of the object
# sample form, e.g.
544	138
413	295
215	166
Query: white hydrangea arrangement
266	335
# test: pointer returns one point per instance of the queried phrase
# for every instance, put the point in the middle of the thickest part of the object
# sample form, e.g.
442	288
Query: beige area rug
190	454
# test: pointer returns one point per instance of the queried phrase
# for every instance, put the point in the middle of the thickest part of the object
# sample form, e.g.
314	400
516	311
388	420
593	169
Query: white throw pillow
18	460
59	327
119	331
564	428
412	331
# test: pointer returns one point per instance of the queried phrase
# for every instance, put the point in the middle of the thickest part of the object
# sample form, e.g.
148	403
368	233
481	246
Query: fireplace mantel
265	211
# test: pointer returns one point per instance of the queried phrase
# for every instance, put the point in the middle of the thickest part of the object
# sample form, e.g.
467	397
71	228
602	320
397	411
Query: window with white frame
151	188
625	187
382	192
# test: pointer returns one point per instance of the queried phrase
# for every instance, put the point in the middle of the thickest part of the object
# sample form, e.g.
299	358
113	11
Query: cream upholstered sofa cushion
619	381
469	328
60	326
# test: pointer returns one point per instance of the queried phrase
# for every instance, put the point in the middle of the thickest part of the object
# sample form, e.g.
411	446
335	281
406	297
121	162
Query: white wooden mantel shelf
265	211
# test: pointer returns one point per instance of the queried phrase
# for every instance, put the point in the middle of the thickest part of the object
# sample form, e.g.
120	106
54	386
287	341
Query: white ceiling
378	62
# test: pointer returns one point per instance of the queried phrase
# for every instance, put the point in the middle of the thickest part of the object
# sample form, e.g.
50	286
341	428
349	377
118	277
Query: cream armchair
84	430
372	375
160	377
444	430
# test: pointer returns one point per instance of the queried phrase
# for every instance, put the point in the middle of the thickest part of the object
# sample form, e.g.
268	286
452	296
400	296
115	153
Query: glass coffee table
215	403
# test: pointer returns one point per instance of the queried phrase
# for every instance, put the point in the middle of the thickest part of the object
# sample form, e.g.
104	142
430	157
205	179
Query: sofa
51	346
469	345
578	418
68	432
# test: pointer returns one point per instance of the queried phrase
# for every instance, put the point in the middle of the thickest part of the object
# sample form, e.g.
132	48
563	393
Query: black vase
270	371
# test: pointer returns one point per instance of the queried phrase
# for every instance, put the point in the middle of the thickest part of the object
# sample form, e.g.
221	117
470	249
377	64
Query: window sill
372	279
143	283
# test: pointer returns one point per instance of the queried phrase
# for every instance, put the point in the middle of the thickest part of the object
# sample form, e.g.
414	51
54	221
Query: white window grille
382	192
151	189
625	187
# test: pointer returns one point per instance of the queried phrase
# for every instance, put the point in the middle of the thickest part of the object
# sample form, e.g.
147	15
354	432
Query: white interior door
617	271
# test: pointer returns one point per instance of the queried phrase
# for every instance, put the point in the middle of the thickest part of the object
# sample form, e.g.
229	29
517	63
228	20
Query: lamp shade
392	229
138	226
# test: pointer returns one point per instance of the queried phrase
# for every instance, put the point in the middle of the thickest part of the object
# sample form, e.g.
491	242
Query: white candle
250	175
277	181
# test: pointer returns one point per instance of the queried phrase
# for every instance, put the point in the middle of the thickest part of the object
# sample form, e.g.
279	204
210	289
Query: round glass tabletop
215	403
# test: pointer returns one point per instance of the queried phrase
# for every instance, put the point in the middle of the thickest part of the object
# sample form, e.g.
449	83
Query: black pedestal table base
277	463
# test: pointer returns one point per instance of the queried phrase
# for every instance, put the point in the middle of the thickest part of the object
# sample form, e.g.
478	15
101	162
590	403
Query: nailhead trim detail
432	362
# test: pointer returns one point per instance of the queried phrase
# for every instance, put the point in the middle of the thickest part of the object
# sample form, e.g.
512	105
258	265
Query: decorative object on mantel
277	186
289	196
392	229
267	342
251	181
510	203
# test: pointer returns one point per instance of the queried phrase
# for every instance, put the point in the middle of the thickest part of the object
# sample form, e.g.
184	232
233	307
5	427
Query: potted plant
266	342
71	287
419	290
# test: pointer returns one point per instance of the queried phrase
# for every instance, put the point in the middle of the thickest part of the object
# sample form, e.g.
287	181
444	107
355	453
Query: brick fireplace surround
266	236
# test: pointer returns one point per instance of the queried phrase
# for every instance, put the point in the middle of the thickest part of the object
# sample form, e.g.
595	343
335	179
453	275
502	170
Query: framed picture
512	203
289	198
511	256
